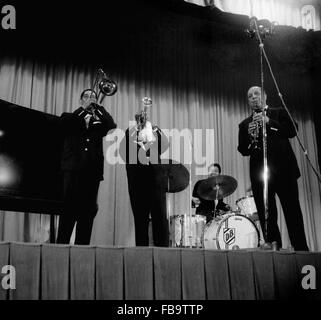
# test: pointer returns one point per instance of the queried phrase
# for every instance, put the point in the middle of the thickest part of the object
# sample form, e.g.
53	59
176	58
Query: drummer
209	208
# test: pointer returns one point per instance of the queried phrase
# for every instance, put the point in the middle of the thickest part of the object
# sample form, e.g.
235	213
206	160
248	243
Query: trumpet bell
107	86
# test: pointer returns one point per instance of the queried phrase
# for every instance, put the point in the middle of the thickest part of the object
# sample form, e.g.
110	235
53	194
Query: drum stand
190	236
217	187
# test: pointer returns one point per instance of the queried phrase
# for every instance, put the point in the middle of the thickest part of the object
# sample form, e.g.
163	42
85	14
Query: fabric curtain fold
286	276
217	275
109	273
167	274
82	273
193	274
263	266
26	259
242	279
55	275
308	266
4	261
138	264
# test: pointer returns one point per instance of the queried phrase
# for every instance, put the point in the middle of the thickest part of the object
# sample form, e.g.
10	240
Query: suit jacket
280	156
83	147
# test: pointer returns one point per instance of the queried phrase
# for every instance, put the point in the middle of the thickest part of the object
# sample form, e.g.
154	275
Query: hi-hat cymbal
173	175
217	187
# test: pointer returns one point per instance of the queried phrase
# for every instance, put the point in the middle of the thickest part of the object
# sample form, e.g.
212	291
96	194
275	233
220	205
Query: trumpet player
283	170
82	164
145	143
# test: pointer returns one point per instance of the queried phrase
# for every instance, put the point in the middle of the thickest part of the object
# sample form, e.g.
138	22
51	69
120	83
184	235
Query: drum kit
238	229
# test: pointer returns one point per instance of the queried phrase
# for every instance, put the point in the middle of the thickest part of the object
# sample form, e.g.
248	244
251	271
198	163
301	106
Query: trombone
104	84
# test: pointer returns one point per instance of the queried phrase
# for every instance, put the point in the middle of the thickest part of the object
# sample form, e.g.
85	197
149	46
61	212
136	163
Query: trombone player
82	164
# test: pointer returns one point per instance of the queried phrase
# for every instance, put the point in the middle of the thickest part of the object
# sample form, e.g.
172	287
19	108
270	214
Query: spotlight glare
6	177
265	174
8	172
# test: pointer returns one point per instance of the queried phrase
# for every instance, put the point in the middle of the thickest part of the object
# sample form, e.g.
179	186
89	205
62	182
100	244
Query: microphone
253	19
252	27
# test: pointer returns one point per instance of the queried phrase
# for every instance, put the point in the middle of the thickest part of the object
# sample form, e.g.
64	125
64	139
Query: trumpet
141	117
144	127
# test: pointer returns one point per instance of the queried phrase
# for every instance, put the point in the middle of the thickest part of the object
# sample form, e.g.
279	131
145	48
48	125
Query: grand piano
30	147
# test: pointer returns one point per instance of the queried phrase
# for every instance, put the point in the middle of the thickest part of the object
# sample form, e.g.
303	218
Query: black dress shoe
275	246
266	246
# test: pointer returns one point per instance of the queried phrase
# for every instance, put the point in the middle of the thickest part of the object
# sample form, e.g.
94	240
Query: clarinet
256	133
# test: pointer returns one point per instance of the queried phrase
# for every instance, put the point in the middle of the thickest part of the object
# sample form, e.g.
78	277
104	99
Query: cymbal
173	175
217	187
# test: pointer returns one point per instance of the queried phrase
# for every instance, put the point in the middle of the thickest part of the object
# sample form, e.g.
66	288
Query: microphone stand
168	207
190	197
264	137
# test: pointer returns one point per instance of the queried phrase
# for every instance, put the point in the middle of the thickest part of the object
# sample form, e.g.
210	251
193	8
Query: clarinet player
283	170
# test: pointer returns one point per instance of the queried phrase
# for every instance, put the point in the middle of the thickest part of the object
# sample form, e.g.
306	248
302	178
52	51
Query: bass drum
232	231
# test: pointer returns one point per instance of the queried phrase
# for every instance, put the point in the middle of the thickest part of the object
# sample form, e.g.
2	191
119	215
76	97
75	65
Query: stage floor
63	272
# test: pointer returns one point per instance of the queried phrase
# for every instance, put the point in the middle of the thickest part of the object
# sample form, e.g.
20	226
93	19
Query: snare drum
187	231
247	207
231	231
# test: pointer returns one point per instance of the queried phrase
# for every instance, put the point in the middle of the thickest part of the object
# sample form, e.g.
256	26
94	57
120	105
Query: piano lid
30	147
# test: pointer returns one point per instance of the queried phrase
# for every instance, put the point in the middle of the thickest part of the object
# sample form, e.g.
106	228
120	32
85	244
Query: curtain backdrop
196	81
285	12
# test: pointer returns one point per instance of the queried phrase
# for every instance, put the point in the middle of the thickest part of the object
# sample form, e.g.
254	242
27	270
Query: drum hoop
182	215
218	231
221	223
246	197
175	216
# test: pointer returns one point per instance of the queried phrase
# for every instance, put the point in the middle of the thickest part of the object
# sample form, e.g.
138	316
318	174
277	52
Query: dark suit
207	207
283	175
82	163
147	189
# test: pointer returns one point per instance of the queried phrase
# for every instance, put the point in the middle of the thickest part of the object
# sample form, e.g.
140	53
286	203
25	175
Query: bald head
254	98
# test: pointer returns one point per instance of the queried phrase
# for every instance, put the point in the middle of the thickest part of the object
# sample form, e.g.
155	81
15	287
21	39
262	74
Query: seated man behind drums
208	208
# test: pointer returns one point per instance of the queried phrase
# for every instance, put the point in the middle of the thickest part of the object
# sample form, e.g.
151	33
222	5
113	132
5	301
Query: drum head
233	231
